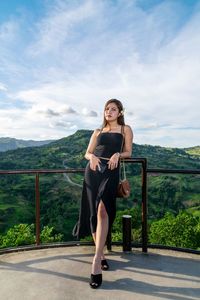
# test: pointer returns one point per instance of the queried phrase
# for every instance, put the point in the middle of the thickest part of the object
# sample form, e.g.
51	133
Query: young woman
98	206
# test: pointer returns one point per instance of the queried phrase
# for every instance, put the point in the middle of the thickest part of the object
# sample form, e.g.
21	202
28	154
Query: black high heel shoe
104	265
95	281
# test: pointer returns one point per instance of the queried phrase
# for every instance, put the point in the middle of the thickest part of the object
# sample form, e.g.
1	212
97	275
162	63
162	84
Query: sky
61	60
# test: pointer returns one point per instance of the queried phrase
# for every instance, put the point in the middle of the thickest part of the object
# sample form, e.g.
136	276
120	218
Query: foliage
87	239
193	151
182	230
60	200
47	235
23	234
117	236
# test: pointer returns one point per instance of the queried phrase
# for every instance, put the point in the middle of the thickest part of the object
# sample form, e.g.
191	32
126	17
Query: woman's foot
96	275
96	266
104	265
103	257
95	281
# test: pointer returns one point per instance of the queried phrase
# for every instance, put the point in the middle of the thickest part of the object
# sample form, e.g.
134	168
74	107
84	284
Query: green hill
60	199
193	151
7	143
73	148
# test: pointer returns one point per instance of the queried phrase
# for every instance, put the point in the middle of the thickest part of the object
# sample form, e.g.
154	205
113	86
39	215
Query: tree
182	230
23	234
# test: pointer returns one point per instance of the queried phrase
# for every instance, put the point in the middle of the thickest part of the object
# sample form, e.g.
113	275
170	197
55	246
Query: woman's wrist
92	155
118	154
89	156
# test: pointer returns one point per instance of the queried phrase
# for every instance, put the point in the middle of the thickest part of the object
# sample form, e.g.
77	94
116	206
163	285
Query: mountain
72	149
60	198
193	151
7	143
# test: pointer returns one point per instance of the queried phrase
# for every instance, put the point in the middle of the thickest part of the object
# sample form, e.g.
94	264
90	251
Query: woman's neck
113	126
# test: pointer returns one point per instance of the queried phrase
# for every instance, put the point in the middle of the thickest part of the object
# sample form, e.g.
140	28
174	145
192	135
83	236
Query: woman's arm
94	161
91	145
127	149
128	142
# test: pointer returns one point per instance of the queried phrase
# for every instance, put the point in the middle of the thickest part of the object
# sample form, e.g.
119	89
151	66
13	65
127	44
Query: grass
6	206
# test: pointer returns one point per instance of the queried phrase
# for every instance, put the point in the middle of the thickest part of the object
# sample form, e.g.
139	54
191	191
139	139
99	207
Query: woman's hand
94	162
113	161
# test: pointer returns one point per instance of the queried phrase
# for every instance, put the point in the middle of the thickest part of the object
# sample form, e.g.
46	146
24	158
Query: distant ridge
61	194
194	151
51	154
7	143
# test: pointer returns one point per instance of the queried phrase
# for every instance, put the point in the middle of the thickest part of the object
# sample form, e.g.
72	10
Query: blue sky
60	61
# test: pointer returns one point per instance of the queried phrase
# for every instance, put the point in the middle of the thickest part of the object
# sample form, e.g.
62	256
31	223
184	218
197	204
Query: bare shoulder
96	132
128	130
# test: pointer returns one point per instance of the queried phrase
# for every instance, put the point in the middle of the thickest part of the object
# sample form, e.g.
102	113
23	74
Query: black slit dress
99	185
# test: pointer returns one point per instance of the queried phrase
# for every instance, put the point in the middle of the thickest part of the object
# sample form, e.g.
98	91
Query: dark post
109	241
126	229
144	206
37	208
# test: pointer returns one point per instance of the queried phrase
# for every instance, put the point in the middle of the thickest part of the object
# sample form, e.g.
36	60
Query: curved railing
156	171
144	174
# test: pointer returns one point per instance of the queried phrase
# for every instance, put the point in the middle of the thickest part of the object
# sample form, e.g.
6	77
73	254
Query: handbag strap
122	132
124	170
122	161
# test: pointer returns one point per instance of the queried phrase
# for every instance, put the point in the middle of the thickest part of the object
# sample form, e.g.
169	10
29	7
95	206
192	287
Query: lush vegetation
12	143
59	199
182	230
23	234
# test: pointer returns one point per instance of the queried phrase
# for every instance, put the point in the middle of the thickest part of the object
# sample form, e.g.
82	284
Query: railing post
126	232
109	241
144	206
37	208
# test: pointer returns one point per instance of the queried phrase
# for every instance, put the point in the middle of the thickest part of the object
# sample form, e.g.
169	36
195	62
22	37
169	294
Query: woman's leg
100	239
94	239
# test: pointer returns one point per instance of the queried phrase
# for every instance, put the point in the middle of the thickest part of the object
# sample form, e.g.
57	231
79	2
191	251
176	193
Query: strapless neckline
110	132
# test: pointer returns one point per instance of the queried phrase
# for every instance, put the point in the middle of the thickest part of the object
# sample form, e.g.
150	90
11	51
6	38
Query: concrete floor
63	273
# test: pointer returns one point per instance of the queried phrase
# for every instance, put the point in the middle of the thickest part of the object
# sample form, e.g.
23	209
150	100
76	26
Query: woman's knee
102	213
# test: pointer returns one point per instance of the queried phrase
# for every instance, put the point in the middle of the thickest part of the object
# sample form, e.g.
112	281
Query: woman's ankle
96	265
97	258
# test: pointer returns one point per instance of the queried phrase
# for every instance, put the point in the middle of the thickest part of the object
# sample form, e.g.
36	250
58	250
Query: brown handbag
124	188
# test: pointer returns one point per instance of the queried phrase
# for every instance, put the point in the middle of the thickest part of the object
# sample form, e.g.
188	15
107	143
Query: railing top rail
67	170
172	171
42	171
141	160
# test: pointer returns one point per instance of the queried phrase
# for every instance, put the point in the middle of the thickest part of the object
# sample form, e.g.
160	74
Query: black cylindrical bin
126	229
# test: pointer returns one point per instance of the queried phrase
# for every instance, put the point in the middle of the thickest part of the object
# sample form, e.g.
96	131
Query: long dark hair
120	119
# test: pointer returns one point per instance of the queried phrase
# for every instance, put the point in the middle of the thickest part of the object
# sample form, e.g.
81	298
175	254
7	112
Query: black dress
99	185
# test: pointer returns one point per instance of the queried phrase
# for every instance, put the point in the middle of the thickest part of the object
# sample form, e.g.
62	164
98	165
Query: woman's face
111	112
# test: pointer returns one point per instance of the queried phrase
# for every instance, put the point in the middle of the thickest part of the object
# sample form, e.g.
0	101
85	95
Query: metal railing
157	171
145	172
38	172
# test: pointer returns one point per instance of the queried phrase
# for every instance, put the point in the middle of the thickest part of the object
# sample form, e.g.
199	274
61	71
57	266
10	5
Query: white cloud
62	124
89	113
51	113
68	110
3	87
82	54
8	31
56	27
